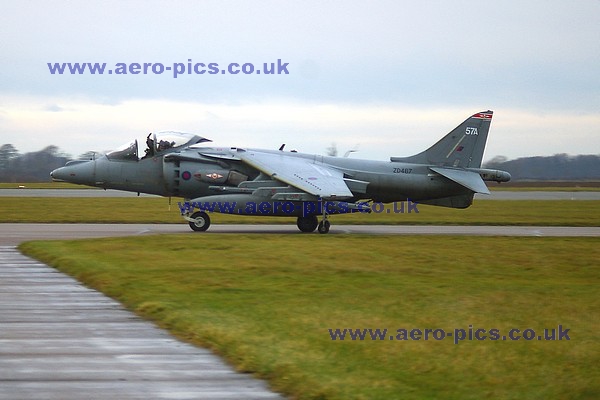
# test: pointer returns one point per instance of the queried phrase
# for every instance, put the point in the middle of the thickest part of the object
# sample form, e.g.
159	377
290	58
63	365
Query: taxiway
13	234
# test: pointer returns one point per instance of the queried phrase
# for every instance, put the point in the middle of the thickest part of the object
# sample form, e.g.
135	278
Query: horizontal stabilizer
468	179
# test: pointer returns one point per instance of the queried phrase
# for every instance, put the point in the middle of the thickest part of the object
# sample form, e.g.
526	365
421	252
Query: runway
13	234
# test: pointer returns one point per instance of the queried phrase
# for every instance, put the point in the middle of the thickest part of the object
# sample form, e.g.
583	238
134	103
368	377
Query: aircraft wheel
324	226
307	224
201	223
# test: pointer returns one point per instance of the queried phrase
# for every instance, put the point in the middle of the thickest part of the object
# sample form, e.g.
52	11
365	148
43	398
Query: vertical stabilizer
462	148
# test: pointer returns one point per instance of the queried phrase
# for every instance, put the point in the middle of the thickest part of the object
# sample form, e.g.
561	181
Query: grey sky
390	76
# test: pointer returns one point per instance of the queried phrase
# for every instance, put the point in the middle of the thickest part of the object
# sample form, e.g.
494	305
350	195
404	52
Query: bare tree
332	150
7	153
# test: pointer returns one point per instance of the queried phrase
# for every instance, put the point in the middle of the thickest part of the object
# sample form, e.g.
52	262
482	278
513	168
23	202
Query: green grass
42	185
547	186
156	210
266	305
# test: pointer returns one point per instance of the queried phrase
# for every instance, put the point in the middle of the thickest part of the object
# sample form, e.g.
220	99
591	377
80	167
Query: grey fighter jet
247	181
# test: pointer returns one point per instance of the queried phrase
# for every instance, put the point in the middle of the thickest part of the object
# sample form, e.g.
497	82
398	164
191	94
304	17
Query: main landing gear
309	224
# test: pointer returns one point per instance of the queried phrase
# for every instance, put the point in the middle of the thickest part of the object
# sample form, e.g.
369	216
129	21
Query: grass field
267	307
156	210
570	186
42	185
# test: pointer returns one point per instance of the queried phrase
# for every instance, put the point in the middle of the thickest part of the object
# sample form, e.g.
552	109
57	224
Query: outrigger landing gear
307	224
324	224
199	221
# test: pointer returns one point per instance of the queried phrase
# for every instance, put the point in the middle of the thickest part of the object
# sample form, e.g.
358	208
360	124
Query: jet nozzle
492	174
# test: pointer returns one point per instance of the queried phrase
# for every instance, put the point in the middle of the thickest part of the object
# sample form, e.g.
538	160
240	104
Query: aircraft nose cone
58	175
81	172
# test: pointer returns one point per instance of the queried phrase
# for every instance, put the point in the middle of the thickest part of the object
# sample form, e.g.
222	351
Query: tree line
30	167
559	167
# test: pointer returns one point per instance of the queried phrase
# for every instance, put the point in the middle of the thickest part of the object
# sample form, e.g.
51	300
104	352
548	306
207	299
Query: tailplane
461	148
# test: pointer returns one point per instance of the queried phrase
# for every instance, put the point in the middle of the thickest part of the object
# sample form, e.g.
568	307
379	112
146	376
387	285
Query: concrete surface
61	340
13	234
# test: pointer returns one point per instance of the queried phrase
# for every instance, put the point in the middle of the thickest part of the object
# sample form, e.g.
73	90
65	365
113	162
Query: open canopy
156	143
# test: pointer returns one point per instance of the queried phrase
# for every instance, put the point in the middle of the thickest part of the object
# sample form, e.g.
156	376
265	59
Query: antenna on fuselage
352	150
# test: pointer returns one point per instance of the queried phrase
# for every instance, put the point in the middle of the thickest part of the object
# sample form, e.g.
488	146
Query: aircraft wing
470	180
319	180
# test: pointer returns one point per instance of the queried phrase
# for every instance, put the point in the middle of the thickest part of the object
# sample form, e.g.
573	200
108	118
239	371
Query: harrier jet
248	181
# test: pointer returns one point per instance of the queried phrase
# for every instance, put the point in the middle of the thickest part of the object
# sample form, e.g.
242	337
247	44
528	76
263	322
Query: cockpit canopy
156	143
125	152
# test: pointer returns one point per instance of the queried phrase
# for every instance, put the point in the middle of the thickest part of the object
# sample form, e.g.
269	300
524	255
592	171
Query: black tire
324	226
307	224
202	221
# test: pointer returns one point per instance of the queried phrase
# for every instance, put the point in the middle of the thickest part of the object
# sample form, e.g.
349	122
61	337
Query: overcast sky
387	77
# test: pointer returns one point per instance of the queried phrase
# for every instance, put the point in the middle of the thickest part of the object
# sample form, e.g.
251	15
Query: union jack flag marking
483	116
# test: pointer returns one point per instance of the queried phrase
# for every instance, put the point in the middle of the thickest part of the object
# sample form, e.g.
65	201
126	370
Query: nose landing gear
199	221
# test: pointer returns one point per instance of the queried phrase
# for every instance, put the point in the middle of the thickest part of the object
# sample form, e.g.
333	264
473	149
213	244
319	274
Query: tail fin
463	147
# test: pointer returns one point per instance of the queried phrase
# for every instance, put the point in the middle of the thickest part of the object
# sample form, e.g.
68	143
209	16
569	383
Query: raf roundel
186	175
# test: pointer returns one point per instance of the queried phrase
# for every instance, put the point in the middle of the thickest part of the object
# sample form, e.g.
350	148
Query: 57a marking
402	170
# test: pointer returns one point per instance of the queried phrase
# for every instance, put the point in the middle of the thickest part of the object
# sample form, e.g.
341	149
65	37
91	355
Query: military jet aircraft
288	183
